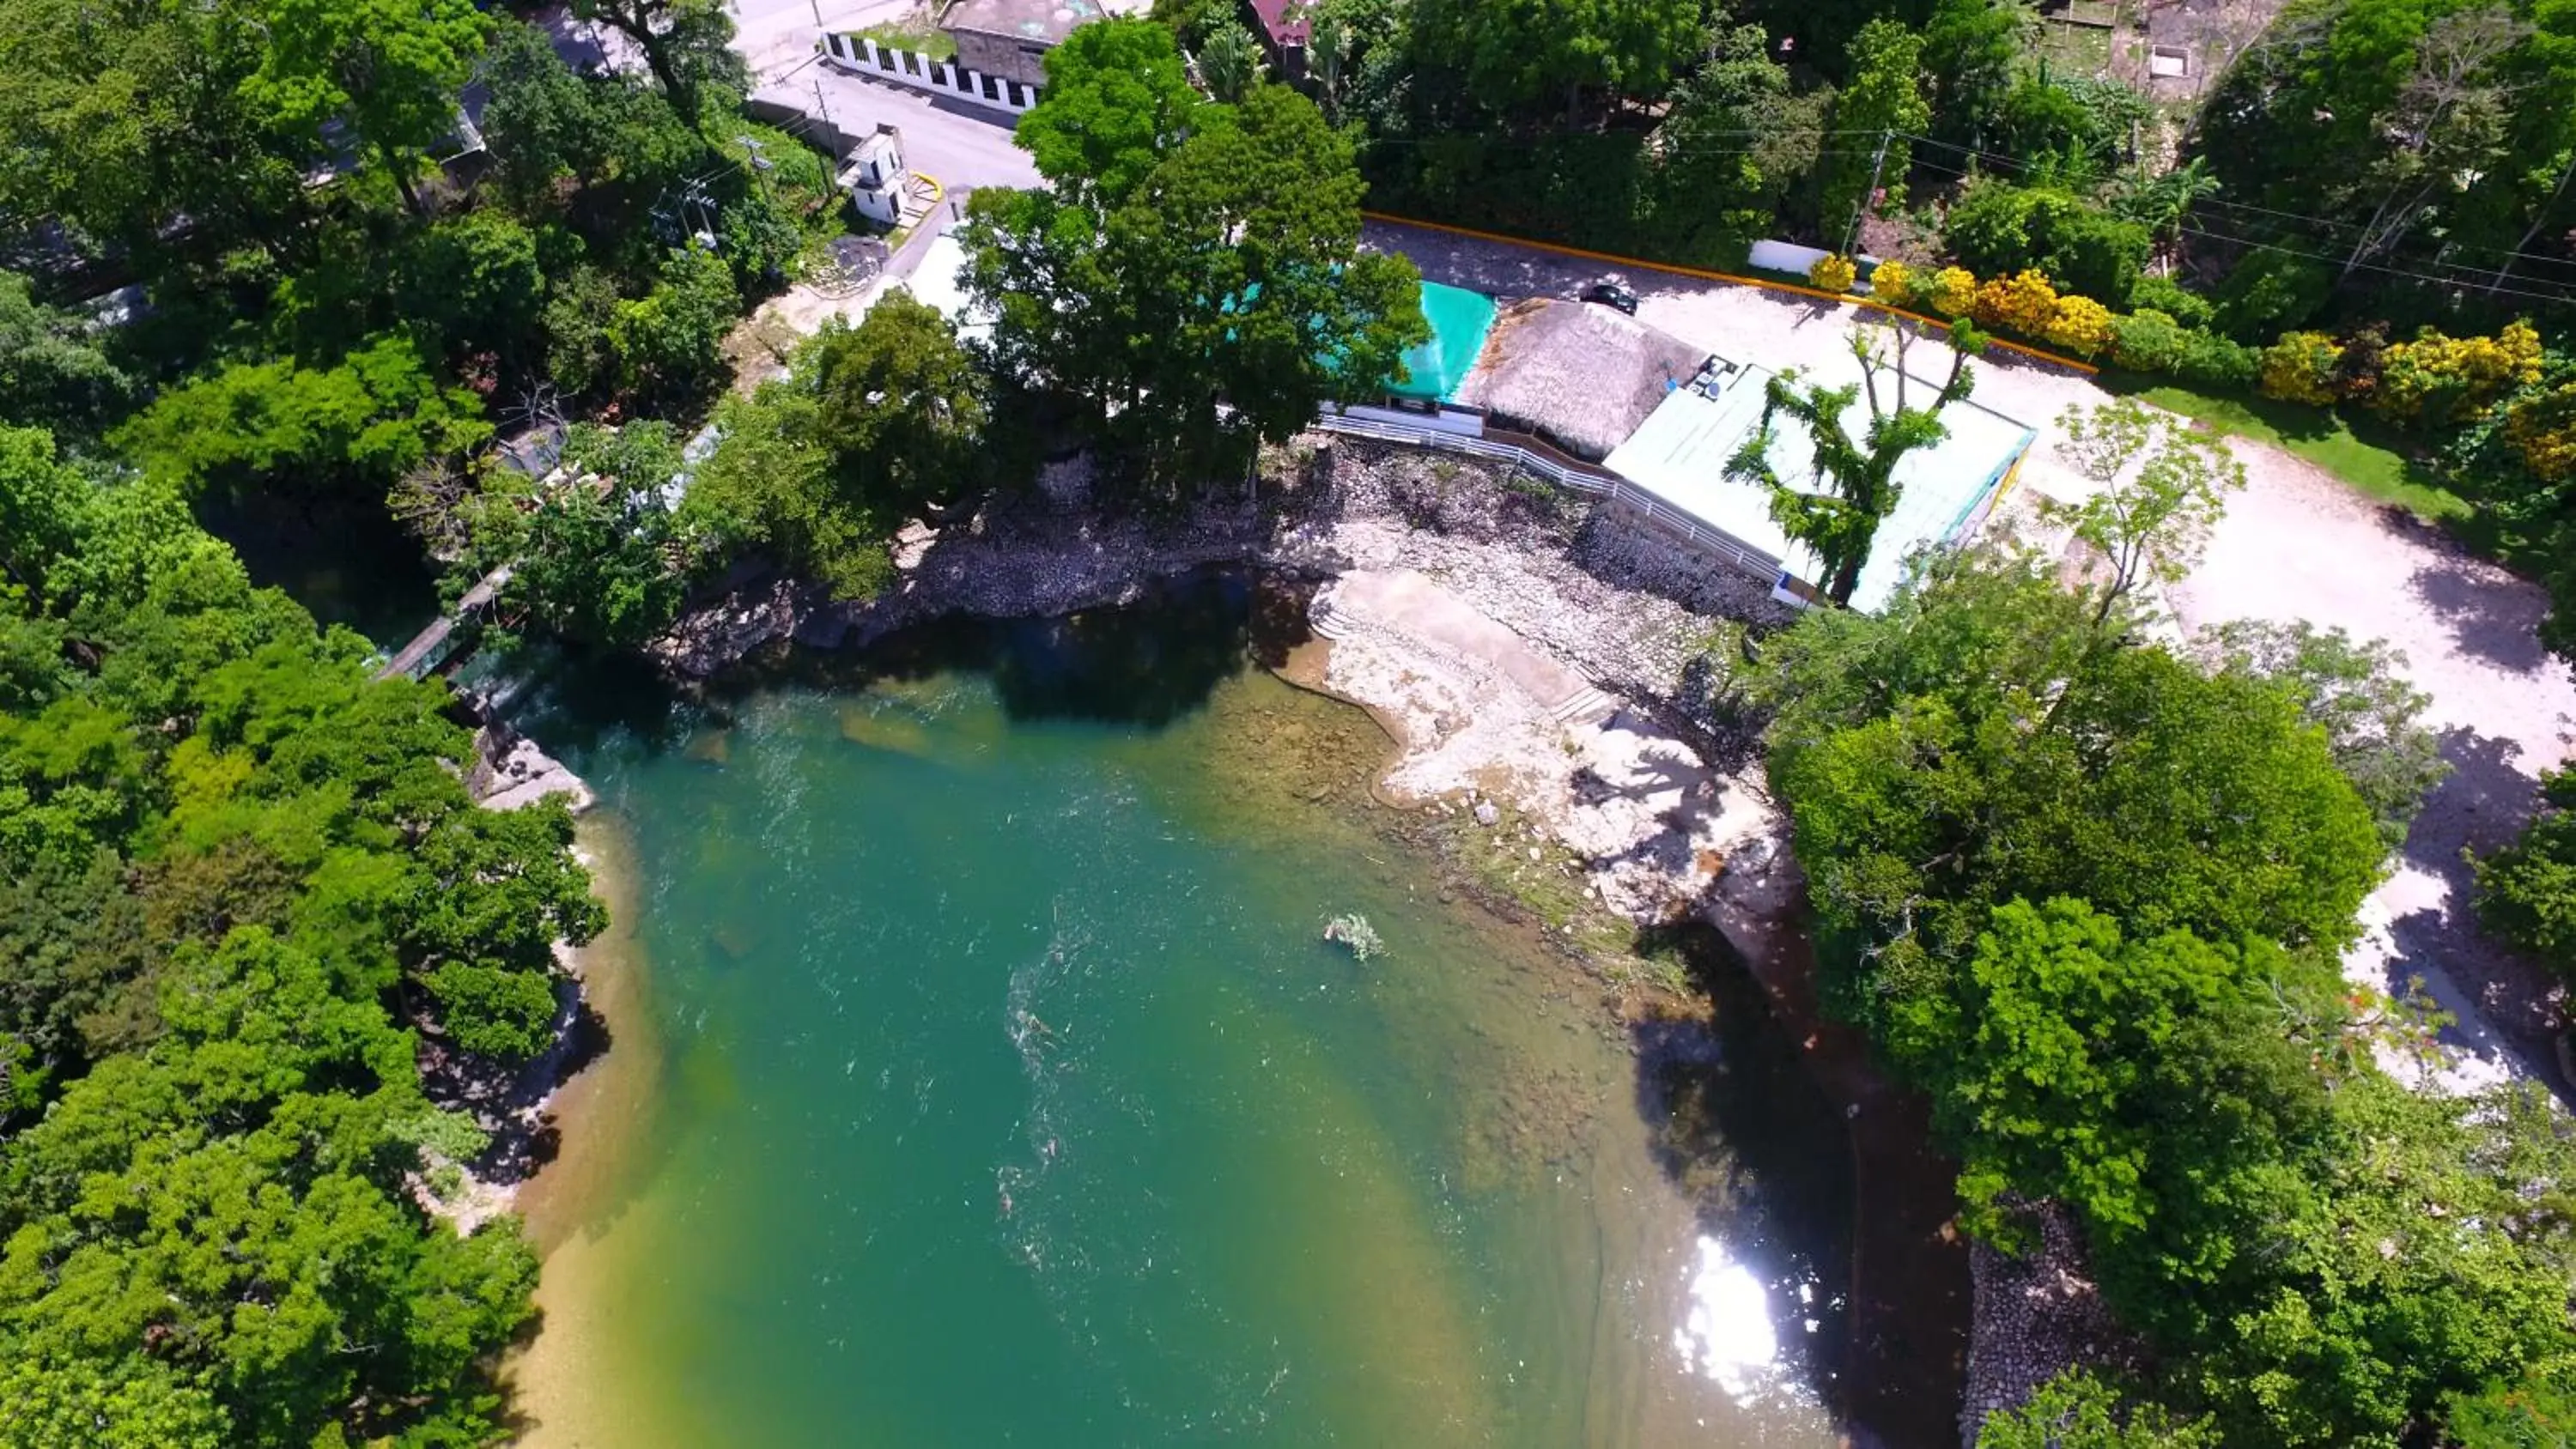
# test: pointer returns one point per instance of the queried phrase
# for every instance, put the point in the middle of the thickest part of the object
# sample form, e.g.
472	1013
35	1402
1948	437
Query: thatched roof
1581	375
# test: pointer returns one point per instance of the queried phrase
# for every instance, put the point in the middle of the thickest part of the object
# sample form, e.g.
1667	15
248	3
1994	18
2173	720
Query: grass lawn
931	42
2368	467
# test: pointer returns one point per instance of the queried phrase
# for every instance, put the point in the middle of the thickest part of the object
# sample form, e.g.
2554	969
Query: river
981	1075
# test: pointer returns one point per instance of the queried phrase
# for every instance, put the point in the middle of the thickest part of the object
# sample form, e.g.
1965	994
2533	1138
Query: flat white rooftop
1681	451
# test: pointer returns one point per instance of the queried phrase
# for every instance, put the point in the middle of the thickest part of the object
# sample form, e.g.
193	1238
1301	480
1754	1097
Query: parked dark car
1611	294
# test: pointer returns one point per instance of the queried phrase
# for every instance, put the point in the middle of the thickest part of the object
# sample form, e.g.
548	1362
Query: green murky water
991	1084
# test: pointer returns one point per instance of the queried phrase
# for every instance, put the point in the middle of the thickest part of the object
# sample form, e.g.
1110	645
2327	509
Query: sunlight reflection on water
1728	1336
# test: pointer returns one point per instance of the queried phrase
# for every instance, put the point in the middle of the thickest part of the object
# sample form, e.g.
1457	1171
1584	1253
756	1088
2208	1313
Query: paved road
776	33
962	146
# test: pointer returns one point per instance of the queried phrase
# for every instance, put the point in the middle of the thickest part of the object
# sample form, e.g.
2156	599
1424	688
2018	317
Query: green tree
52	373
362	423
1524	52
1191	278
1735	141
2527	891
391	68
596	556
1884	97
2076	1410
1972	51
132	121
544	124
686	44
2358	695
669	343
1849	486
1230	61
1955	751
874	425
2159	487
2138	1082
900	405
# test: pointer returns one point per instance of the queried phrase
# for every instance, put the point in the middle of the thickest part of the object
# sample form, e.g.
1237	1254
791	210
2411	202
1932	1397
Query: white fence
1594	482
941	77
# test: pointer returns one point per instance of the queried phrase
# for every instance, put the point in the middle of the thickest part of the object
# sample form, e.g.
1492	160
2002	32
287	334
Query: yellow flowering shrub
2080	325
2544	428
2300	368
2440	379
1953	292
2025	304
1892	283
1833	273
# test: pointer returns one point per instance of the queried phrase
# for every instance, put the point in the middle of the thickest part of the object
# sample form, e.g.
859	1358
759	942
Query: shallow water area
987	1079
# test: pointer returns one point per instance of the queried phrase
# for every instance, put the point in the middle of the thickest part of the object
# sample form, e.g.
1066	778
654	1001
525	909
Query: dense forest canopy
242	880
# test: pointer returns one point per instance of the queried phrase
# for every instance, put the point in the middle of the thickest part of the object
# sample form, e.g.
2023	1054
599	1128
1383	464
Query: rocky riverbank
1623	606
513	1105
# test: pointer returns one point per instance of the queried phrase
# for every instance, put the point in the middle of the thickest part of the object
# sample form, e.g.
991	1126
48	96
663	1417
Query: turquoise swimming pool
1459	321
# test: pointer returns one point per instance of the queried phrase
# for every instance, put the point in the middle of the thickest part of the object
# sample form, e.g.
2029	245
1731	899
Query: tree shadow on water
1150	663
1764	1158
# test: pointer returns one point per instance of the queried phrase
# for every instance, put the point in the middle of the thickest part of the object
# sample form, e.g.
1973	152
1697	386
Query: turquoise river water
981	1076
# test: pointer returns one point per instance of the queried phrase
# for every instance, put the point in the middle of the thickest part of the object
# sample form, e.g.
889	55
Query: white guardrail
1582	480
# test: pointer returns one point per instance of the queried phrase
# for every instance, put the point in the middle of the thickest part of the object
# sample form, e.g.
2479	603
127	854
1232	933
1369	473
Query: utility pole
1851	232
824	108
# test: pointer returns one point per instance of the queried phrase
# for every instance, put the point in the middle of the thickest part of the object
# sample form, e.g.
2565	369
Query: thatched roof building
1580	375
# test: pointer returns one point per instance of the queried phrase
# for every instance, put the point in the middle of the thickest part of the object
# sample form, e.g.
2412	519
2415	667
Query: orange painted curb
2088	369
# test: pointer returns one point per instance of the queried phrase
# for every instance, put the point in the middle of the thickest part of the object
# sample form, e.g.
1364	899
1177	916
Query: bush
1892	283
2437	380
2301	368
2023	303
1833	273
2218	363
2164	294
1953	292
1988	228
1997	227
2269	293
2542	427
2148	341
2081	326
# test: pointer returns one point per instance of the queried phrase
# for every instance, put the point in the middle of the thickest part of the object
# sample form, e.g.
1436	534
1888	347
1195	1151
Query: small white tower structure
876	177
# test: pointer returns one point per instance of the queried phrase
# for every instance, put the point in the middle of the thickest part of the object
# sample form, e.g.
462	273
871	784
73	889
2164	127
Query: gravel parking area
2298	545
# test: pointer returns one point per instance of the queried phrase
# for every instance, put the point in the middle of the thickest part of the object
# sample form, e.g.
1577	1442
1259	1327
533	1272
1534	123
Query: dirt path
2298	545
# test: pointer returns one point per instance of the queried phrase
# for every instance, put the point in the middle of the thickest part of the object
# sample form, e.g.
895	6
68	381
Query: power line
2026	167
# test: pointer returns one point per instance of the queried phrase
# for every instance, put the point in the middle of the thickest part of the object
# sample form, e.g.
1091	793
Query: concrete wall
939	77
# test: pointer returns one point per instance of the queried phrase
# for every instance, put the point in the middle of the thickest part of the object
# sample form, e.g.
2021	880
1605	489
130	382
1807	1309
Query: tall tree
133	119
391	68
1230	61
1972	52
1850	484
52	373
1877	109
2159	487
686	44
1191	276
1516	53
1737	137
